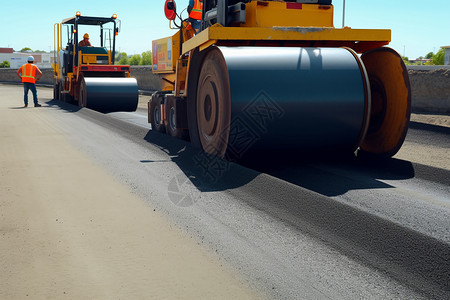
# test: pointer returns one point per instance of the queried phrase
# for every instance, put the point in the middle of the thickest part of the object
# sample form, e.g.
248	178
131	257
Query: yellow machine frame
57	43
57	37
268	23
269	14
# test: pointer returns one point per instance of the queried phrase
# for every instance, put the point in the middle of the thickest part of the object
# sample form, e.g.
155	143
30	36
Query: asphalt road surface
287	227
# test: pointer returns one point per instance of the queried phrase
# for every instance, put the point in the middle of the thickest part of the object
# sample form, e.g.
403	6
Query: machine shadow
322	173
334	175
207	173
430	127
67	107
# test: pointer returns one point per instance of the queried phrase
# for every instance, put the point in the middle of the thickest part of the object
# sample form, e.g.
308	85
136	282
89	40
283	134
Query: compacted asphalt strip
291	228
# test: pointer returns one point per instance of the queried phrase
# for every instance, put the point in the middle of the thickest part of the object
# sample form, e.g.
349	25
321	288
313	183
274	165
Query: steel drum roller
111	94
282	99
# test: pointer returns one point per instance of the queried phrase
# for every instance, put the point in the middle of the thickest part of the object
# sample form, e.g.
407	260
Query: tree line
436	58
144	59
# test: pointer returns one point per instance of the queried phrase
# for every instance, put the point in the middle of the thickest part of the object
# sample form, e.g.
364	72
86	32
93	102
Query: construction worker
85	41
195	9
30	74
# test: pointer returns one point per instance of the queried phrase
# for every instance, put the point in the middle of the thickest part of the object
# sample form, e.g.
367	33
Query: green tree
439	57
5	64
406	60
122	59
25	49
118	55
146	58
429	55
135	59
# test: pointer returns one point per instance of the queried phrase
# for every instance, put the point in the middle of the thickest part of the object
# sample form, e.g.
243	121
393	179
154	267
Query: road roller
86	74
261	76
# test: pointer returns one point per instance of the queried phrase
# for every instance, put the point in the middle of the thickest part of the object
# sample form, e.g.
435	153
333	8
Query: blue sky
418	27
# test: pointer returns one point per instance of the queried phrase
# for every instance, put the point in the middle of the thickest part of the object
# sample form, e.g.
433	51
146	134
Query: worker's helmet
30	59
86	36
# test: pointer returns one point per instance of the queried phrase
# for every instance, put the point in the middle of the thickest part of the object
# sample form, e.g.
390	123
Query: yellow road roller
86	74
278	76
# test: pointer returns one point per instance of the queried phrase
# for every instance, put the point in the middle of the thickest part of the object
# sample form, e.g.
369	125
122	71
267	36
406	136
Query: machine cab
103	44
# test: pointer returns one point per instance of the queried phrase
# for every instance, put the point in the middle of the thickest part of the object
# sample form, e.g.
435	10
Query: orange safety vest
196	12
29	73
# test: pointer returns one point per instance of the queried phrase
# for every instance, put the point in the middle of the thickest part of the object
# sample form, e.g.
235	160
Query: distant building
420	61
16	59
6	50
447	55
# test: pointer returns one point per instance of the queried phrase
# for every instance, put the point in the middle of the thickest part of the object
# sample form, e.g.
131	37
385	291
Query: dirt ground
430	90
61	237
430	155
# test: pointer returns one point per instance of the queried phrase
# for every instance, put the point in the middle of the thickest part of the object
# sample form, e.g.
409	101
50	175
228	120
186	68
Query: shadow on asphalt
323	173
207	173
336	175
67	107
430	127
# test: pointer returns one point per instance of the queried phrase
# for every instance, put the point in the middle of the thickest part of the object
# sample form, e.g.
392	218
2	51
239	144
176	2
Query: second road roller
258	76
86	74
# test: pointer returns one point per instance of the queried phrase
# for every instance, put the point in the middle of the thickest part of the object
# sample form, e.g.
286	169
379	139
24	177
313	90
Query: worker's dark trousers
195	24
29	86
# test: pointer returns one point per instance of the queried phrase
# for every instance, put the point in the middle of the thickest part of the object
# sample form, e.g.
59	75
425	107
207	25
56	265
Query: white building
447	55
16	59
